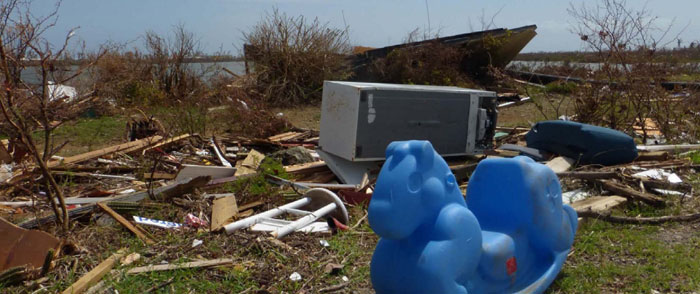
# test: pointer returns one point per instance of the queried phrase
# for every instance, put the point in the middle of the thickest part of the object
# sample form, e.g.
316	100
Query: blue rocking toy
511	236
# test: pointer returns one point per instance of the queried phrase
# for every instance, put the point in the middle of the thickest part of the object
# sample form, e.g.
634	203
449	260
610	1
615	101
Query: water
32	75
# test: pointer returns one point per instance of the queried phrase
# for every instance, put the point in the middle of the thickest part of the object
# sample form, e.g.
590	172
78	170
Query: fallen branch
639	220
632	194
334	287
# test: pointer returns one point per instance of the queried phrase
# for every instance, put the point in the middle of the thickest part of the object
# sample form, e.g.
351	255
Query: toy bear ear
395	152
424	153
390	149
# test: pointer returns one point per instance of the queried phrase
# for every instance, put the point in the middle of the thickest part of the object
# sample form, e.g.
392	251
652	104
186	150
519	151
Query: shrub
292	57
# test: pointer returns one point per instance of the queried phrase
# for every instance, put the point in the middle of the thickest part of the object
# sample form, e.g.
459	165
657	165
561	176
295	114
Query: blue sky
220	23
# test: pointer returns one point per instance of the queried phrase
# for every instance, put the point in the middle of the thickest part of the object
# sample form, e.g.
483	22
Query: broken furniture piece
506	238
359	120
317	203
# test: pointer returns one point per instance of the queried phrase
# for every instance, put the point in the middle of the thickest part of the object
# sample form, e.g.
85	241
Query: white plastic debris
295	277
324	243
573	196
156	223
197	242
127	191
345	278
671	192
58	91
659	174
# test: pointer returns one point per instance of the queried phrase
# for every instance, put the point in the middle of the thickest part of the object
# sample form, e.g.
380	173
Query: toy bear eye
415	182
450	181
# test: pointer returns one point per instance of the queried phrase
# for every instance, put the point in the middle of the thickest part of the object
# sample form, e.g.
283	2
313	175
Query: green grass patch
630	259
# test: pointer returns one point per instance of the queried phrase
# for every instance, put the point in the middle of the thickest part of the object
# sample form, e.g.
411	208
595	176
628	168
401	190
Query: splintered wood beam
167	267
126	224
125	148
95	274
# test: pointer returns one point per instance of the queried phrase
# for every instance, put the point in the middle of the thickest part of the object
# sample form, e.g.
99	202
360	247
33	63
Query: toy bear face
410	186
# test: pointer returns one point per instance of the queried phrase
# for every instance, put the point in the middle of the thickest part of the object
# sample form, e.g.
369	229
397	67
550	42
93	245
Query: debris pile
189	200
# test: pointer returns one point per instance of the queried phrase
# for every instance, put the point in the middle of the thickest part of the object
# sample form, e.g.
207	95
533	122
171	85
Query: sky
219	24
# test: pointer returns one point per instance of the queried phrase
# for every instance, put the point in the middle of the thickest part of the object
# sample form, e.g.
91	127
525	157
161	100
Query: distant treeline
198	59
687	54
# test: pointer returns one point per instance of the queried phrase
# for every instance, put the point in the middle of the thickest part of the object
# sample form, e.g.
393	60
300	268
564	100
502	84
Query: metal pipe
304	221
252	220
295	211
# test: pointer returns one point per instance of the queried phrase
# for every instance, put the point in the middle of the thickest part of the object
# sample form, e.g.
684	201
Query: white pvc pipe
304	221
252	220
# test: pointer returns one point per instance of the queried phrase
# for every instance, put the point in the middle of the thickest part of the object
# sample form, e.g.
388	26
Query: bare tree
28	106
626	41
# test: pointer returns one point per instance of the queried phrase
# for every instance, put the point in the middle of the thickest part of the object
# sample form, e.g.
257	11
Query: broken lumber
168	142
158	176
193	264
598	203
653	156
588	175
303	168
127	224
95	274
125	148
640	220
630	193
223	211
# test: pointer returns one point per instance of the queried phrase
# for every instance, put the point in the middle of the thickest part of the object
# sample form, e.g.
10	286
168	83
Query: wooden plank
304	167
285	136
223	211
250	164
125	147
126	224
653	156
250	205
560	164
158	176
167	142
194	264
95	274
598	203
633	194
215	172
588	175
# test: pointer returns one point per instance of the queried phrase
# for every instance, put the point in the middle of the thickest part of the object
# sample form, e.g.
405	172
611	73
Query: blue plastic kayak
584	143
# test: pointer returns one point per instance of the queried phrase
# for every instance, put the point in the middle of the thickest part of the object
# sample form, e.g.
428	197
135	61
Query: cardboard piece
250	164
20	247
223	211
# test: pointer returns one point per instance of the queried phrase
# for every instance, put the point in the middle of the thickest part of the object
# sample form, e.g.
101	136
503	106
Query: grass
87	134
631	259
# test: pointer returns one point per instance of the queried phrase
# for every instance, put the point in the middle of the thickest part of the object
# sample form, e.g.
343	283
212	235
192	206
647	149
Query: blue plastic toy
511	236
